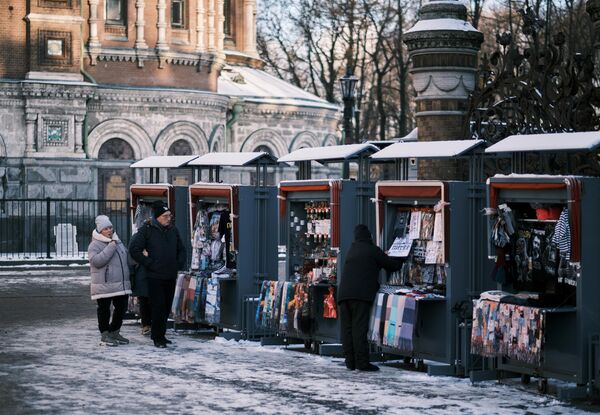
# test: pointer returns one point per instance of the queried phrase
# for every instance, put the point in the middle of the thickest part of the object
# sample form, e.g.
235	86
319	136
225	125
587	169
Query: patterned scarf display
514	331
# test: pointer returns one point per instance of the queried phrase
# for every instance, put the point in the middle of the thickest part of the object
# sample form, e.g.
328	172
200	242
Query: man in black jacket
357	290
165	255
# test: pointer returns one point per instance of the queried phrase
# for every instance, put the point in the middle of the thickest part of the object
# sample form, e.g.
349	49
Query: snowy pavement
54	365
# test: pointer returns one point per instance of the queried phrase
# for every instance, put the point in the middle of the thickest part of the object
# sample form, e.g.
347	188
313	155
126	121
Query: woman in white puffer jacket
110	280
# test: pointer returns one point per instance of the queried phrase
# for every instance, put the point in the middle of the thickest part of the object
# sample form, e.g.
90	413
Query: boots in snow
107	340
116	336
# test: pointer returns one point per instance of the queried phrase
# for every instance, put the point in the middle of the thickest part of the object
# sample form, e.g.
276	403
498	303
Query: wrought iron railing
55	228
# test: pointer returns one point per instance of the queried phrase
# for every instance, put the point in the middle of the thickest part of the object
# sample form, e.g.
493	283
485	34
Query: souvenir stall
435	227
234	246
317	220
544	318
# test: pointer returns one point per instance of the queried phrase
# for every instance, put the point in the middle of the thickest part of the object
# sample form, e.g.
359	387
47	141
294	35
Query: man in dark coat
165	255
357	290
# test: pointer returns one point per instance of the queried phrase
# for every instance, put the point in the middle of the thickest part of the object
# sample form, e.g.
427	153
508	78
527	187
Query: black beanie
159	207
362	233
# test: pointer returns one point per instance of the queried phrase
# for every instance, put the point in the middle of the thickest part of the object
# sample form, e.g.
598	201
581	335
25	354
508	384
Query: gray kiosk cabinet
545	321
251	243
435	228
317	220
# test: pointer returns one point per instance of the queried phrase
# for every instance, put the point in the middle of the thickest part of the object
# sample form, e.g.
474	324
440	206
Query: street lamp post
348	85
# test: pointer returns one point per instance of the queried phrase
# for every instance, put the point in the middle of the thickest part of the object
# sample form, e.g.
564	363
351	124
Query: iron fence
56	228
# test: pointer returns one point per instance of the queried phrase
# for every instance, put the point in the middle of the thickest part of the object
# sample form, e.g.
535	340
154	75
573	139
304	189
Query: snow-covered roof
427	149
163	161
381	143
232	159
428	25
581	141
329	153
412	136
259	86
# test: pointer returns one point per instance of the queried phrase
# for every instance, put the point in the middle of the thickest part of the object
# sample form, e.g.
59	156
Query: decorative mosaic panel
54	48
56	133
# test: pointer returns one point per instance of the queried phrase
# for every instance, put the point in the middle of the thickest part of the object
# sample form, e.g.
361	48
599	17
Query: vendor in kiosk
357	290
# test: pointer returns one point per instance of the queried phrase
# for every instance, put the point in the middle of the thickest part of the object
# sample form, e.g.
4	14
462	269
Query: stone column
93	42
79	133
200	45
30	145
220	23
140	42
161	25
211	26
249	27
443	49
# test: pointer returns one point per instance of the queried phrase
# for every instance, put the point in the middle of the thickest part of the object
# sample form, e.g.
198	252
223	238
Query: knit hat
362	233
159	207
102	222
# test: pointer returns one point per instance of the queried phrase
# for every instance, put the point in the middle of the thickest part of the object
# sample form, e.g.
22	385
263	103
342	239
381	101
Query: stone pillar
220	28
161	25
249	27
211	26
93	42
30	145
443	49
593	9
79	133
140	42
200	45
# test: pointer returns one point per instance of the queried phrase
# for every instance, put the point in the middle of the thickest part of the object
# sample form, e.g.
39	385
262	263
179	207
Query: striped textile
562	235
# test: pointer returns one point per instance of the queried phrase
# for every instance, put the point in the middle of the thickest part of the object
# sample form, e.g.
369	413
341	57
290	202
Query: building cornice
53	18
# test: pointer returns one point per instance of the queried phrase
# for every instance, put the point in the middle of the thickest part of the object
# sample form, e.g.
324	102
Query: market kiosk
422	311
234	244
317	220
142	195
544	318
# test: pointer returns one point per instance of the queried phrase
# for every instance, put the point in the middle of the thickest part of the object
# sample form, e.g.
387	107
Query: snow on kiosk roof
233	159
328	153
155	162
427	149
580	141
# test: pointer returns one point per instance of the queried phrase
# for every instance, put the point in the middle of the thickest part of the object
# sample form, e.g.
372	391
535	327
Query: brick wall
437	128
13	54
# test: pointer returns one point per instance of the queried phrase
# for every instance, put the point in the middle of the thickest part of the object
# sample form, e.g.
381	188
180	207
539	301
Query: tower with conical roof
443	49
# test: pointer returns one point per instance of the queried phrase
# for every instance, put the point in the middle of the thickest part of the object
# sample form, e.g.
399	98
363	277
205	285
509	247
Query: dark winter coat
364	260
139	278
166	252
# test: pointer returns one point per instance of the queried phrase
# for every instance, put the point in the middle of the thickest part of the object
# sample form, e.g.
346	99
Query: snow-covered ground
57	366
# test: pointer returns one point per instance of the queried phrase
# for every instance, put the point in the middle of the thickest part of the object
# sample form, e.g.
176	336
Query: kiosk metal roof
328	153
155	162
578	141
233	159
427	149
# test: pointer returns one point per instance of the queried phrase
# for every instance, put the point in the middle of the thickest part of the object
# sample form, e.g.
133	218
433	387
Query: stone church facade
88	86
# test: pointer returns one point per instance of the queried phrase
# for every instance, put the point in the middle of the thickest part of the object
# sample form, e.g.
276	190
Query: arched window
180	148
116	149
114	181
228	23
180	177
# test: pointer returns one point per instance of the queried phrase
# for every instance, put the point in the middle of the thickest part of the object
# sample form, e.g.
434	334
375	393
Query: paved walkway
51	363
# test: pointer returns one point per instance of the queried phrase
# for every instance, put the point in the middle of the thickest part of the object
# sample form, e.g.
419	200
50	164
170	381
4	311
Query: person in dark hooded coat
357	290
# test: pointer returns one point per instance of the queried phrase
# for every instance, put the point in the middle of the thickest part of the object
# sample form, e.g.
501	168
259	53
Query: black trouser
145	310
161	299
354	316
120	306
